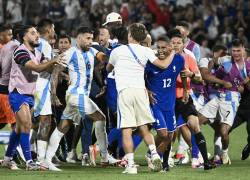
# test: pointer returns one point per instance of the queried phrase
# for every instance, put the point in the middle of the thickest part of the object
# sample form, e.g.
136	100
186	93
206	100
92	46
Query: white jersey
203	63
81	66
129	71
42	92
46	49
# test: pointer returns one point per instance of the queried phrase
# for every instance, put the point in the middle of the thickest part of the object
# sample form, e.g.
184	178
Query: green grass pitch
238	170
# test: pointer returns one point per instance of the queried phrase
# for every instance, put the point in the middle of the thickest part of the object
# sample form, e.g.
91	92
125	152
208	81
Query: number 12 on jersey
166	82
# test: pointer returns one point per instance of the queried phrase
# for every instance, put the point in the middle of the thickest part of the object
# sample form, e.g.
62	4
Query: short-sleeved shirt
163	82
80	65
192	66
21	78
5	61
228	71
46	49
129	72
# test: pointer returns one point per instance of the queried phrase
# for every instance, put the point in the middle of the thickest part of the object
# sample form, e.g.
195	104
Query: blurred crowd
210	21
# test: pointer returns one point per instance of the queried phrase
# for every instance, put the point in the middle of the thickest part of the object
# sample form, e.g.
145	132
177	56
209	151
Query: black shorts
243	115
185	109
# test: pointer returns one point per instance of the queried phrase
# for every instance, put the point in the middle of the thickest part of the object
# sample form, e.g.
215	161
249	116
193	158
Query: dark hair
63	36
183	23
237	43
174	33
219	47
16	31
43	24
4	27
23	29
121	34
84	29
164	38
96	33
138	31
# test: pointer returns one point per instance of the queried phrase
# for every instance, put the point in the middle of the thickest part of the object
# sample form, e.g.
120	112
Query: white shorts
225	106
42	100
133	108
199	102
77	106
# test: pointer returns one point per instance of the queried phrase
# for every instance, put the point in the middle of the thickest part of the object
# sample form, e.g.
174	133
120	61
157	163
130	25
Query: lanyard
136	58
244	74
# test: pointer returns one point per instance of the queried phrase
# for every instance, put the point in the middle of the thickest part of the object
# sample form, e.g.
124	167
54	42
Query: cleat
209	166
196	163
225	158
165	169
85	160
71	157
156	161
9	164
245	152
130	170
217	160
150	164
32	166
171	162
110	161
50	166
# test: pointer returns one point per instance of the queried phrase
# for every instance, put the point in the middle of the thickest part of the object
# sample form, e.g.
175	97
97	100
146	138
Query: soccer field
238	170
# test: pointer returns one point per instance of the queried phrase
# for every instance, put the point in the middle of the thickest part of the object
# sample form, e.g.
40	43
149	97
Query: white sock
217	145
41	149
53	144
6	158
130	157
152	149
225	150
102	140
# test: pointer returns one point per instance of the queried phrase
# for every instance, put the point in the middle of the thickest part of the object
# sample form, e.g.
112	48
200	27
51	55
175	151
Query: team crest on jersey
174	68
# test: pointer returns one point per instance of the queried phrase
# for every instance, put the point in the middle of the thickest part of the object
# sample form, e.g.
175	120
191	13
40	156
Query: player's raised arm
163	64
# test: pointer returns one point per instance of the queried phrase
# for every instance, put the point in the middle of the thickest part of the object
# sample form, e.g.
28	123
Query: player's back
129	70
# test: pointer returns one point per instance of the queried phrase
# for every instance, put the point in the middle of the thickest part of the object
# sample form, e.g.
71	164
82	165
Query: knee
224	132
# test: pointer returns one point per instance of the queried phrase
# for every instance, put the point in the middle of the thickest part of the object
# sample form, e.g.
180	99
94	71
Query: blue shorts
180	121
164	119
17	100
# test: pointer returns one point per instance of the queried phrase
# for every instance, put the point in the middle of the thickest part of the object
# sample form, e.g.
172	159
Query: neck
46	37
29	47
79	47
132	41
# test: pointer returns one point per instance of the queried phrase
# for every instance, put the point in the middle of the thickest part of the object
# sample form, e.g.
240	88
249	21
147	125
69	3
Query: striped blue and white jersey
81	66
46	49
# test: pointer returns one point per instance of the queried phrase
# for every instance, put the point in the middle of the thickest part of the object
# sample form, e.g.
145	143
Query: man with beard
80	63
26	65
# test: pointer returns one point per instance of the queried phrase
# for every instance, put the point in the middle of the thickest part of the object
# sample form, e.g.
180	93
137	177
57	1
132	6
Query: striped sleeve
21	57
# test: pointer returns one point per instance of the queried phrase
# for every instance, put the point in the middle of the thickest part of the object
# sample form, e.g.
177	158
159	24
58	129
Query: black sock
166	155
201	143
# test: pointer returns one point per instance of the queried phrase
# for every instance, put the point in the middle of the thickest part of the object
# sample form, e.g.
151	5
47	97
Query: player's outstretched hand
102	92
227	85
61	60
55	101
